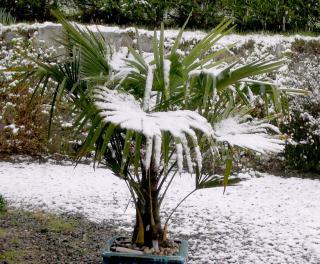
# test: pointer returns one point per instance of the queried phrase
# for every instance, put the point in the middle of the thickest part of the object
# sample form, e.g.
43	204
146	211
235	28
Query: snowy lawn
263	220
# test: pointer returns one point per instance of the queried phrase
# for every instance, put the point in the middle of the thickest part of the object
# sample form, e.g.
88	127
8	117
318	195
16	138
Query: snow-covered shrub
310	47
304	128
23	124
303	123
20	125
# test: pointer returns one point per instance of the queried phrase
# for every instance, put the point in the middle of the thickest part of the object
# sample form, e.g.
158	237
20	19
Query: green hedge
273	15
30	10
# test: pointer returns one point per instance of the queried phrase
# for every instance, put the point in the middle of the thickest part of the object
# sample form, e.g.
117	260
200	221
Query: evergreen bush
273	15
30	10
3	204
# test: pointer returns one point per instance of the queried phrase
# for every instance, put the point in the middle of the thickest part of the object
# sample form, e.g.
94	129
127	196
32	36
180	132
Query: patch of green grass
15	241
13	256
57	224
14	222
9	236
3	233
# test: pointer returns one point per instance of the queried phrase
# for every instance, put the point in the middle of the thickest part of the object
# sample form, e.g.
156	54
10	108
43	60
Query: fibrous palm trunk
148	225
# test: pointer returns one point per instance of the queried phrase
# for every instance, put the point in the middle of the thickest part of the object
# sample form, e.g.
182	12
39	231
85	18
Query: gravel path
264	220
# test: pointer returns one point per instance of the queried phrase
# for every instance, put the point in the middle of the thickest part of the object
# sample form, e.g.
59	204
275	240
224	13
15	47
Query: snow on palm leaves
253	135
122	109
178	83
181	120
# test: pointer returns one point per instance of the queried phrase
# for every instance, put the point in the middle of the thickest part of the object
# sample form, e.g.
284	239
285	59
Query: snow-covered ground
265	219
170	33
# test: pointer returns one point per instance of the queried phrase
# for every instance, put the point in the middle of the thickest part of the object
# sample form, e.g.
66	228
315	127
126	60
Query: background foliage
303	124
23	125
30	10
273	15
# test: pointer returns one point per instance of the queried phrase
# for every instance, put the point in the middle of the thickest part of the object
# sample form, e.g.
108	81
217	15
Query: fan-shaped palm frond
253	135
92	49
121	109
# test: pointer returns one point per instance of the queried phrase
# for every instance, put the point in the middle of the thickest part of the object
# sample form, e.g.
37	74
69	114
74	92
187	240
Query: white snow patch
188	36
13	128
263	220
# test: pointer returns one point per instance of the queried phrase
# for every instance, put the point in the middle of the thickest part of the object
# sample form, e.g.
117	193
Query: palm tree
161	116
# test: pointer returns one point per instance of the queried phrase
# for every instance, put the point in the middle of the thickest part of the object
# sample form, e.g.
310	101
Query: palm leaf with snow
249	134
121	109
196	80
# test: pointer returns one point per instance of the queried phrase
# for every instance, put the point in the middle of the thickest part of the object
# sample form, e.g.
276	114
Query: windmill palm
161	116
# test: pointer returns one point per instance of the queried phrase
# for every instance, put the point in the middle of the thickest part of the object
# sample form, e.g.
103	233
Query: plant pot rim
181	257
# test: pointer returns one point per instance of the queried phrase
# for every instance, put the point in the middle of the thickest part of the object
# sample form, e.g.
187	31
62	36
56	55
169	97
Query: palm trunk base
148	227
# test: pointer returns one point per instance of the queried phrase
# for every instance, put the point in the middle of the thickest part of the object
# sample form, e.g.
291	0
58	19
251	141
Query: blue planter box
110	257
